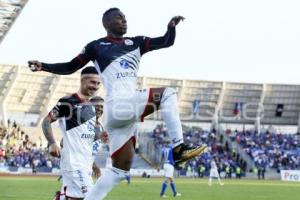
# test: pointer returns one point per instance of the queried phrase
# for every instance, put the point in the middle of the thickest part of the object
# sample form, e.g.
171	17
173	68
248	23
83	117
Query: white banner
4	169
290	175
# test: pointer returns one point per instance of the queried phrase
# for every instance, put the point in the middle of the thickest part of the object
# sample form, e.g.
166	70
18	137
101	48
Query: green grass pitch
43	188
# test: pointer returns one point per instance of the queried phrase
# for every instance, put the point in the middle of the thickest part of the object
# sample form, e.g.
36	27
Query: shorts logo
128	42
84	189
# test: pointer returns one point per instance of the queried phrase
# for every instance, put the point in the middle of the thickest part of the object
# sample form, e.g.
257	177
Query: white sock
209	181
170	114
107	181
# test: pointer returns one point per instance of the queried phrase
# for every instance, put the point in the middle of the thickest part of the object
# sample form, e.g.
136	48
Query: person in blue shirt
168	166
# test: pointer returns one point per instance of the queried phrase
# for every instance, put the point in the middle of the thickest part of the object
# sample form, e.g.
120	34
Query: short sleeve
61	109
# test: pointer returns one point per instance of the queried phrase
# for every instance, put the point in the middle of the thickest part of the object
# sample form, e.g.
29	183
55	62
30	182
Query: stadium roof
9	11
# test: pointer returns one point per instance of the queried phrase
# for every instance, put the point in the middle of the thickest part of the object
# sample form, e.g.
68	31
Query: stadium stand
19	151
9	11
270	149
220	102
217	104
228	159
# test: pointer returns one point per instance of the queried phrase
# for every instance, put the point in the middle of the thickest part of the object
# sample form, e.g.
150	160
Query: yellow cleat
185	153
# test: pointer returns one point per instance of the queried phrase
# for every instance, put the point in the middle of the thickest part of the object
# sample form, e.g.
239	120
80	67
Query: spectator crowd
229	162
269	149
17	150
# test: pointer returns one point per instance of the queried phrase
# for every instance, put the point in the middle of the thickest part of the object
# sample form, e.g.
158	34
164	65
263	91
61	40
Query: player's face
117	23
99	108
90	84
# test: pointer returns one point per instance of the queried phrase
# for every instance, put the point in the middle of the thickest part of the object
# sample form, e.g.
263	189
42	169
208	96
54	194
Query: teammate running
79	122
117	60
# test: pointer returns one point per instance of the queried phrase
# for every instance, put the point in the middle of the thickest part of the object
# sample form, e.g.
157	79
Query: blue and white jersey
167	155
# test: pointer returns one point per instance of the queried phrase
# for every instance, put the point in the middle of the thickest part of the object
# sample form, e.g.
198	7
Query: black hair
89	70
96	99
107	12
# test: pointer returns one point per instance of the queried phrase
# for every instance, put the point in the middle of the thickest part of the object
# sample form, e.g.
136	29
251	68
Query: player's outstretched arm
58	68
168	38
76	63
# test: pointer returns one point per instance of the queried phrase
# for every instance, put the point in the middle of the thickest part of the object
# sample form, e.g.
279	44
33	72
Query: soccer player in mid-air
117	59
79	122
168	160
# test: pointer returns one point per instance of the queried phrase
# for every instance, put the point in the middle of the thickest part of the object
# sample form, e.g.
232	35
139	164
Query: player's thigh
123	111
118	113
123	157
122	145
119	136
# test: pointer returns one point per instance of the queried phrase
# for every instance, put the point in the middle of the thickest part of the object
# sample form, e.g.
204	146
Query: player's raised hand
35	65
54	150
175	20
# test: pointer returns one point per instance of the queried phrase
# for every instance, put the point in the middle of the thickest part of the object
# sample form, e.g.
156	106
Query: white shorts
121	116
169	170
77	183
214	173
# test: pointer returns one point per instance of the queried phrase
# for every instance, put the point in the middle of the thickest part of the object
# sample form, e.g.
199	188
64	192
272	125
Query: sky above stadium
232	40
